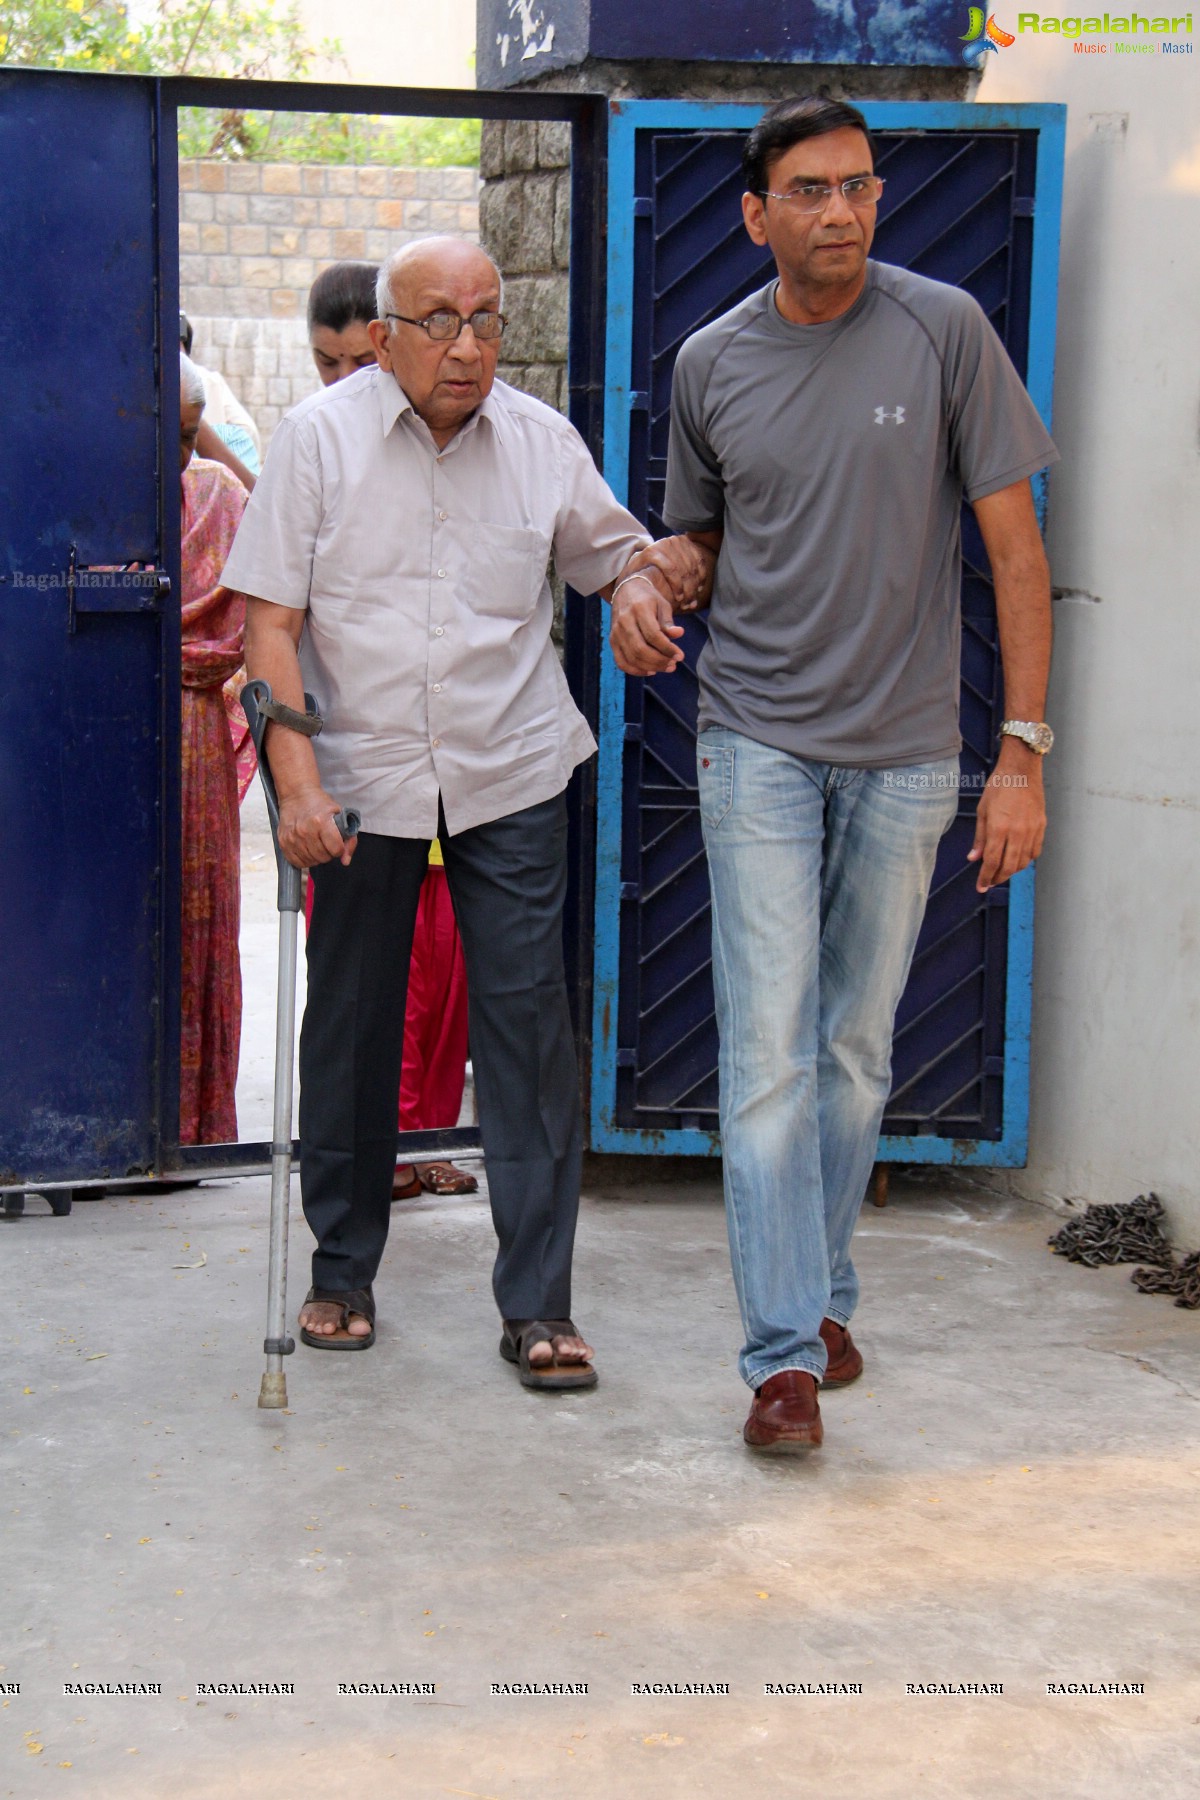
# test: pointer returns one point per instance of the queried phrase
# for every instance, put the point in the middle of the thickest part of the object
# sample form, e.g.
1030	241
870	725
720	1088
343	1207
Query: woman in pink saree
213	623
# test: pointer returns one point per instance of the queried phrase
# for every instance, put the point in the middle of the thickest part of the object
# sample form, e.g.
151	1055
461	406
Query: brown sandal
520	1335
406	1190
360	1302
444	1178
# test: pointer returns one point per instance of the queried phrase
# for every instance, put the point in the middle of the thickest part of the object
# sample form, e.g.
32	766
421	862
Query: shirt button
437	687
443	515
438	631
441	574
437	743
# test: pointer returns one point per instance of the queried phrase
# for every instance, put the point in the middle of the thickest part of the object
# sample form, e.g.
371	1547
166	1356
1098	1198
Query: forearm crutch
259	707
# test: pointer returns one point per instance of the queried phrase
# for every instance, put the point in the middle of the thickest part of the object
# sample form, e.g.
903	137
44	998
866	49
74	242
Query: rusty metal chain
1112	1234
1132	1232
1183	1280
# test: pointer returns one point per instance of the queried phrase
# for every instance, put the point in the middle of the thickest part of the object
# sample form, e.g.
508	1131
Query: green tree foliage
180	37
234	38
331	138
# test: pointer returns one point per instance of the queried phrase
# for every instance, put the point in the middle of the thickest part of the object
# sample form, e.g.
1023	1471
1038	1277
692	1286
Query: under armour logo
896	415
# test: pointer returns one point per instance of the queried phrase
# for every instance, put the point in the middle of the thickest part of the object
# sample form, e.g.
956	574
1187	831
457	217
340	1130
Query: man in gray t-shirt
823	435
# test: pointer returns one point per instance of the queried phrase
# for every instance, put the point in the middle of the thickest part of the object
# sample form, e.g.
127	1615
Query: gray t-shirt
834	458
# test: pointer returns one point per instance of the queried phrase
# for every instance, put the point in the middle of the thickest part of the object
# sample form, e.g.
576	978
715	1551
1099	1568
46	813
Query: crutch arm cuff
307	724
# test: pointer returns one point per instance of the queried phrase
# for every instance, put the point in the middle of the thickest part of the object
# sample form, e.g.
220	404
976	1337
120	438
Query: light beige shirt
423	574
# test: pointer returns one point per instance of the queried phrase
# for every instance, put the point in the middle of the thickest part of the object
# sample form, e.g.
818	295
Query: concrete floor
1009	1495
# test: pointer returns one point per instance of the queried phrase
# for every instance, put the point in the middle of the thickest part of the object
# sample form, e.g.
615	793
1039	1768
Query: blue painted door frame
1028	306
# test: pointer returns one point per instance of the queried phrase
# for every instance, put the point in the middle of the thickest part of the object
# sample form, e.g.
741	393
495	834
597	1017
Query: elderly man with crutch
396	549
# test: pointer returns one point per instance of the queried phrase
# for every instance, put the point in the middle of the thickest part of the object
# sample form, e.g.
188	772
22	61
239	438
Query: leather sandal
520	1335
360	1302
406	1190
444	1178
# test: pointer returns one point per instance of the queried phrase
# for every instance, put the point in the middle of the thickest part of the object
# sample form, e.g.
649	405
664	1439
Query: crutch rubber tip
272	1394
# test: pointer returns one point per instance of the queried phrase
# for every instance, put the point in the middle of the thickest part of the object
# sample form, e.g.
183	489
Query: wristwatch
1040	738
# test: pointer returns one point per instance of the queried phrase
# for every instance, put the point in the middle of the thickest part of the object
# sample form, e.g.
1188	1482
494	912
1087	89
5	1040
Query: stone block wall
525	224
254	236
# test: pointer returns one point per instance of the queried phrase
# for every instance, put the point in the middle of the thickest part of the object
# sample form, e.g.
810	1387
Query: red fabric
434	1070
433	1073
213	623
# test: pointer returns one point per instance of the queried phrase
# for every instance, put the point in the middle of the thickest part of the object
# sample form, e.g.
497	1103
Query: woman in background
227	432
341	304
213	620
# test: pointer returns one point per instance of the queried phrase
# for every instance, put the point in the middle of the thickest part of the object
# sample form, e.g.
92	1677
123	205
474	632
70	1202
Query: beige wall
1116	1044
401	43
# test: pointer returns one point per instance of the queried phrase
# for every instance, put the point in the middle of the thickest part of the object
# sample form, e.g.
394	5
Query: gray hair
191	381
391	264
383	288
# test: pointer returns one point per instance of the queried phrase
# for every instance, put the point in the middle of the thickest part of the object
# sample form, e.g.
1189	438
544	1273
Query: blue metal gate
88	713
963	184
89	616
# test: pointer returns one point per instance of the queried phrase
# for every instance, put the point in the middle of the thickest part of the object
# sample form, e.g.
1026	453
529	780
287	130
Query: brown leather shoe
785	1419
845	1358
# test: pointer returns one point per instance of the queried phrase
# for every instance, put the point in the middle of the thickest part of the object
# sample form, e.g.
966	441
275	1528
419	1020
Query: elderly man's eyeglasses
444	327
814	196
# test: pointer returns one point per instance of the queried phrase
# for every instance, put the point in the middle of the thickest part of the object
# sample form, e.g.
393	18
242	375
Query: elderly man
398	540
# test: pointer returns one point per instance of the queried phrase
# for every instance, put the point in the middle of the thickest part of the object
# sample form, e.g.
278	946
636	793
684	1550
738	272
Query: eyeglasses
444	327
814	196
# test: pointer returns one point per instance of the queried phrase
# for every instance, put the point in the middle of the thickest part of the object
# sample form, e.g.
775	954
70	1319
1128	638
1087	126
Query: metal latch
111	588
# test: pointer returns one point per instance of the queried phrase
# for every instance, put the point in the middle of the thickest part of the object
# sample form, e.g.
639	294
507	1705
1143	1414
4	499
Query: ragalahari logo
980	38
1131	34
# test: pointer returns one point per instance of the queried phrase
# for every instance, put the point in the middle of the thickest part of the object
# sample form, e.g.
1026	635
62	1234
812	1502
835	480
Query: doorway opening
355	180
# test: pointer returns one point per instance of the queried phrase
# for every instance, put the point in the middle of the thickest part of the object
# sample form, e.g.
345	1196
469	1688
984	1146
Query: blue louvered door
972	198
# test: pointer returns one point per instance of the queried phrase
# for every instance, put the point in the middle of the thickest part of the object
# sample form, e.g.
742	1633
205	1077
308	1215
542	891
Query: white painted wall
1116	1045
399	43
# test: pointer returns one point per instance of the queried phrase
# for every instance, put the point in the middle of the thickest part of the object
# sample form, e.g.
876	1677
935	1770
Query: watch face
1038	737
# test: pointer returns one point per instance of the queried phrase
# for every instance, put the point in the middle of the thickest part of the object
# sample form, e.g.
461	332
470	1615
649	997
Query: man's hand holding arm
643	635
1011	822
307	833
677	576
685	562
708	545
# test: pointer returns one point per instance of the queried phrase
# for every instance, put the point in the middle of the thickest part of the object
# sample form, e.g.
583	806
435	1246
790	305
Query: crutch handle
255	696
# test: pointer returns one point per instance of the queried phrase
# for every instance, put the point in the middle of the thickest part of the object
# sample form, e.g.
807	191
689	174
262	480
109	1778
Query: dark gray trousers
507	880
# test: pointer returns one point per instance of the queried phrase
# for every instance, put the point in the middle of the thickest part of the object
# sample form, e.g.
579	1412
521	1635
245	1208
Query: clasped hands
672	576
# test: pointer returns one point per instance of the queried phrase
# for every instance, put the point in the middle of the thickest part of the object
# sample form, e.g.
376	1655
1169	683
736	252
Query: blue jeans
819	877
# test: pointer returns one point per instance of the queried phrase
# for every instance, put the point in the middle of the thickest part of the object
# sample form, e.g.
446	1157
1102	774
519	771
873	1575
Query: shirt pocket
508	566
